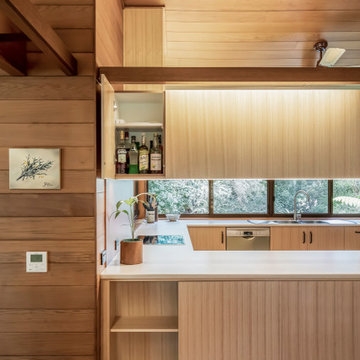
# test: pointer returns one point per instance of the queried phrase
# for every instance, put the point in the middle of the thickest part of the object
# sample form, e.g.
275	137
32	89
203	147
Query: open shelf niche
143	320
137	113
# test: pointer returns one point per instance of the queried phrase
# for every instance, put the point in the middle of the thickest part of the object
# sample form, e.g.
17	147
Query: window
346	197
257	197
181	196
286	189
240	197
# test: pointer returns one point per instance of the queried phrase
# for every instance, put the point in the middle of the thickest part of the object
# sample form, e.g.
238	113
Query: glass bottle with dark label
133	157
155	156
121	155
143	156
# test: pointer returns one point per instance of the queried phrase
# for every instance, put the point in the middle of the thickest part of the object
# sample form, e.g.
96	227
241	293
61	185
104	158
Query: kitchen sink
299	221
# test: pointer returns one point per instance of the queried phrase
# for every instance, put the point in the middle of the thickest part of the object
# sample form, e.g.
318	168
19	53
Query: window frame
270	206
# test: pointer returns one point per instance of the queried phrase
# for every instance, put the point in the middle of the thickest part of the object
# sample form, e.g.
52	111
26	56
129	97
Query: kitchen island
226	305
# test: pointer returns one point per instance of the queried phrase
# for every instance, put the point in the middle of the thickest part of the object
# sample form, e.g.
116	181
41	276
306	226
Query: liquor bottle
121	155
133	157
155	156
143	156
162	153
127	147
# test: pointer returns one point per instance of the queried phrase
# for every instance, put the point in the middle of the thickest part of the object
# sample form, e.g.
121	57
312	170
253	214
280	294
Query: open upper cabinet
136	114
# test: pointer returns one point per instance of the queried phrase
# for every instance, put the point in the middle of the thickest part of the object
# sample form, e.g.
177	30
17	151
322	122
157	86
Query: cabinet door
248	134
107	129
288	238
326	237
207	238
236	320
352	238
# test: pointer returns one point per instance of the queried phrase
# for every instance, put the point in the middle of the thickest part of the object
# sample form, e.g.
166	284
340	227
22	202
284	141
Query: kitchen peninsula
186	304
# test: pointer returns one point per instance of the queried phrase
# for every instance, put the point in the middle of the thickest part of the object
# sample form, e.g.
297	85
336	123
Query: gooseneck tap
296	214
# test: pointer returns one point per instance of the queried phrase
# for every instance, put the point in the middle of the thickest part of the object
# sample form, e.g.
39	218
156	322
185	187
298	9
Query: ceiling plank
27	18
166	75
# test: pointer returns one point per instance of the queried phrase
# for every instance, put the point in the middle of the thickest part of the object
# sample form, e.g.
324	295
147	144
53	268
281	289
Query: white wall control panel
36	261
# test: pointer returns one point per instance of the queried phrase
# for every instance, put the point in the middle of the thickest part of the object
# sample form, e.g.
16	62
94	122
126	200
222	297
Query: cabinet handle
222	237
304	237
357	232
310	237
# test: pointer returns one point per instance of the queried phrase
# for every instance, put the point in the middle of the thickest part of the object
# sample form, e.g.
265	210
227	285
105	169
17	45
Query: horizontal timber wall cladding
51	315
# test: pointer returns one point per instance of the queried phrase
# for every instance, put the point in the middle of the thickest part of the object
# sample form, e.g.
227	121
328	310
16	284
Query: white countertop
181	262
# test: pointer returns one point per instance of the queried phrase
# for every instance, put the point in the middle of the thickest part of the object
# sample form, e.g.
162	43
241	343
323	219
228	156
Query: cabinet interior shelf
146	324
139	176
140	126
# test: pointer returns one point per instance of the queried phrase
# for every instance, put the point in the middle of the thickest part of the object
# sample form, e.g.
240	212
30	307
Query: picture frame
35	169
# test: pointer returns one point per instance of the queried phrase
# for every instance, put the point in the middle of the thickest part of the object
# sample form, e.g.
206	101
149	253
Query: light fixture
328	56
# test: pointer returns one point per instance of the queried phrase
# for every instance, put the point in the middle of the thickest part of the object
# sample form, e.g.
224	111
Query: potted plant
131	250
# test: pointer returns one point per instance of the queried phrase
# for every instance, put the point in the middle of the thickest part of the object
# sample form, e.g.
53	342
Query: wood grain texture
37	111
47	135
262	134
74	251
107	129
47	344
229	320
71	182
47	297
40	228
211	238
109	33
47	205
29	20
50	88
58	274
47	321
326	237
352	238
268	320
145	346
288	238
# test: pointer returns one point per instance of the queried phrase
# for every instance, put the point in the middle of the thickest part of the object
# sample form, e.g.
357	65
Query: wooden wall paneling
37	111
48	109
67	274
143	41
261	133
42	228
75	251
59	344
109	33
40	321
47	204
47	88
47	297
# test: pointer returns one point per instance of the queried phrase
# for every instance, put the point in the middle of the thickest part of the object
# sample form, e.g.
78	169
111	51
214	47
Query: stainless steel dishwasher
248	239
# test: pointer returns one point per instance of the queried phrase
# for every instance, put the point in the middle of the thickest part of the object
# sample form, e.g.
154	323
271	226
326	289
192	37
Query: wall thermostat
36	261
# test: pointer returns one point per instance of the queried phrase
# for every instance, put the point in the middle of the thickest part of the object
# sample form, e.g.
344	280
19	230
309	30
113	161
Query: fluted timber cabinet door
269	320
268	134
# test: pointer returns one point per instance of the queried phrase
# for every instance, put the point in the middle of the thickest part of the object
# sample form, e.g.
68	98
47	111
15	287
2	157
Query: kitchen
205	203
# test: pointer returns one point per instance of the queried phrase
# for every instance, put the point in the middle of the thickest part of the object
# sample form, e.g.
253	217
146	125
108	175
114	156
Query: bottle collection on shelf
133	158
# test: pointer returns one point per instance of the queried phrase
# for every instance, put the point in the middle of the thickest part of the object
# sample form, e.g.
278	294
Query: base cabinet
207	238
269	320
352	238
308	238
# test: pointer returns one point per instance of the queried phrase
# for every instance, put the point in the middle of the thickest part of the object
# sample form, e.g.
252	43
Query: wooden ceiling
259	33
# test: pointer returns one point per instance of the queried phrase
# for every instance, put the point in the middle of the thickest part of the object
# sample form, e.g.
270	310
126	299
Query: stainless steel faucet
296	214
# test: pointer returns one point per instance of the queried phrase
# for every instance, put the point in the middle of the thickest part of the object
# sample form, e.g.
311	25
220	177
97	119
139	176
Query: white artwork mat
34	169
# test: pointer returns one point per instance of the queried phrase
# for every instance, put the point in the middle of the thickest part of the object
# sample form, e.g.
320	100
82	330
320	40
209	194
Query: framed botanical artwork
34	169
